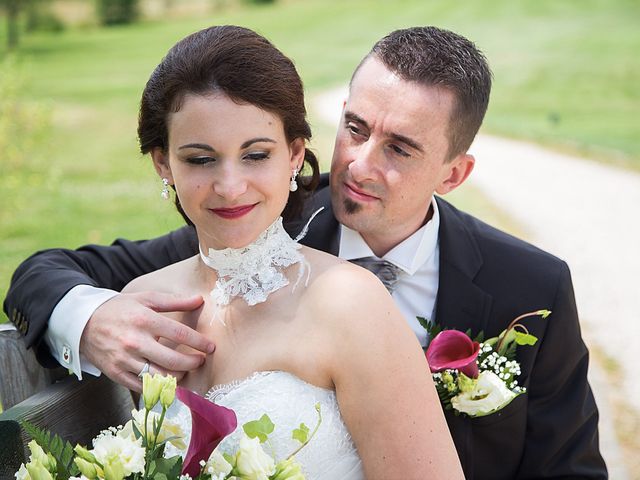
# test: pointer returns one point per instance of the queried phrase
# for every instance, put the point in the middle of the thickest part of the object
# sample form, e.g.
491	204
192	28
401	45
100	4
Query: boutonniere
474	376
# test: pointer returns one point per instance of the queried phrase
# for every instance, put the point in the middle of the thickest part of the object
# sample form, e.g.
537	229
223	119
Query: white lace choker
255	271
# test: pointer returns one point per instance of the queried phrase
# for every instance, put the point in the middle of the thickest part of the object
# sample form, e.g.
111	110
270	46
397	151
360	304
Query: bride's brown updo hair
248	69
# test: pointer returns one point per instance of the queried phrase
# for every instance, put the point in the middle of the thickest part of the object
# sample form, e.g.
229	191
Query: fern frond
61	450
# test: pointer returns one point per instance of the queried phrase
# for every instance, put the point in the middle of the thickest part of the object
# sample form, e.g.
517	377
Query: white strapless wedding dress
288	401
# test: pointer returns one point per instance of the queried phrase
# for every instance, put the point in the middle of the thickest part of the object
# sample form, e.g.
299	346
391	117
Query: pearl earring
293	185
165	189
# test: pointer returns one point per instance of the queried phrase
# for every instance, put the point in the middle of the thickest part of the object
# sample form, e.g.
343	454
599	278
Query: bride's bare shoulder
344	289
166	280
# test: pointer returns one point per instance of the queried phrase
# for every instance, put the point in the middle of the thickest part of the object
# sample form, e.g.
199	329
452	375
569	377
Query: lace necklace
255	271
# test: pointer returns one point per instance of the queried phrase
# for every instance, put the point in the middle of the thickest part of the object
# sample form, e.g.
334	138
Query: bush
114	12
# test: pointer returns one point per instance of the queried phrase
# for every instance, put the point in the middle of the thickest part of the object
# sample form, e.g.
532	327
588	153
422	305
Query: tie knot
386	271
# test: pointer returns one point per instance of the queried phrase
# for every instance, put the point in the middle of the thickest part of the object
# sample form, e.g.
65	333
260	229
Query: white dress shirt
415	293
418	257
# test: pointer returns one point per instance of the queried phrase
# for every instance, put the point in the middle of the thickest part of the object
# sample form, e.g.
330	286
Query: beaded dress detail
289	401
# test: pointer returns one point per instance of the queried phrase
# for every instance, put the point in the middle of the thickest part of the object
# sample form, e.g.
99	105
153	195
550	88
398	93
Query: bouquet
136	450
477	377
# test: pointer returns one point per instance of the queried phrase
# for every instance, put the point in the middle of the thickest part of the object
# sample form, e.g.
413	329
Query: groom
415	104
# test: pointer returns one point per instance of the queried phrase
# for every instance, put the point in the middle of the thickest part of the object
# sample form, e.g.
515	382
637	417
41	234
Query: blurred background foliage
71	73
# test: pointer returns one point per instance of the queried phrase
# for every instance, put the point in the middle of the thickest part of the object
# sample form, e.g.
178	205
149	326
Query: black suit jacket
487	278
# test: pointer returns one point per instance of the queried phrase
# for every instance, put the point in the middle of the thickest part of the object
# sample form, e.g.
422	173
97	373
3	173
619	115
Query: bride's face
231	165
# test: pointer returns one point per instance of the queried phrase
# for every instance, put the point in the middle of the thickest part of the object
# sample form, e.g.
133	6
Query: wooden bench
75	410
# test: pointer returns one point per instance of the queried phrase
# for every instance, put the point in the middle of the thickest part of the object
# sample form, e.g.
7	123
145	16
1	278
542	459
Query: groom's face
390	155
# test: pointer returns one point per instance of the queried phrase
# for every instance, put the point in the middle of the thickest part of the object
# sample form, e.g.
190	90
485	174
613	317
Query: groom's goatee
351	207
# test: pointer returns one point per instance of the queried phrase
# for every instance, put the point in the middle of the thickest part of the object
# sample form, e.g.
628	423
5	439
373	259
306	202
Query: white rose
489	395
128	451
251	461
218	465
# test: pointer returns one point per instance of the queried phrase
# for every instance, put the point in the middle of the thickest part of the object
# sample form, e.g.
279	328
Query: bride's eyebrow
256	140
201	146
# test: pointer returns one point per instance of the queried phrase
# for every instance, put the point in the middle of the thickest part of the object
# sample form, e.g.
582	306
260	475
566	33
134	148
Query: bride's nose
231	183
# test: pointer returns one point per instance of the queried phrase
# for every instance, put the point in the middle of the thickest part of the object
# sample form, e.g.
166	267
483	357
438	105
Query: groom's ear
161	163
457	172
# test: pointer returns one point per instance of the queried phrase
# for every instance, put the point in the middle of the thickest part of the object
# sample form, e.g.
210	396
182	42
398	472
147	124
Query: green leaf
167	467
301	434
509	338
61	450
525	338
259	428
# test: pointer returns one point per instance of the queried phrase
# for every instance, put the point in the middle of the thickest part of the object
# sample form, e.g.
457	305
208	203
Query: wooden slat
77	411
20	374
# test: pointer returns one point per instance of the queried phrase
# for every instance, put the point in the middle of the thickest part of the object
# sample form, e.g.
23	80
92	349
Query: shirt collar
409	255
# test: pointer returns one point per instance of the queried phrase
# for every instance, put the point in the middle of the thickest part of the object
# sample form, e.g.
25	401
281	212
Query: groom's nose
364	164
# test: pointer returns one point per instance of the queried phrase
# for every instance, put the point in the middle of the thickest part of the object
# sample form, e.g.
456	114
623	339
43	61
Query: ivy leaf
259	428
525	338
301	434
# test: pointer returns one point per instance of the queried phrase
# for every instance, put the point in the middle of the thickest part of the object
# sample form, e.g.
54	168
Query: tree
113	12
12	9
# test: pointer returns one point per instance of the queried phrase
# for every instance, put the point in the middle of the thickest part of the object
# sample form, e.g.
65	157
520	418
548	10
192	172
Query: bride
223	118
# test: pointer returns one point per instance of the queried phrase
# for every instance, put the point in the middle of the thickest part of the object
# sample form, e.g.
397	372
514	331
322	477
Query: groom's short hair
434	57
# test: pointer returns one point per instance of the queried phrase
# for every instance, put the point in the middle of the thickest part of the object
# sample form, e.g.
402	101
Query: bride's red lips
235	212
358	194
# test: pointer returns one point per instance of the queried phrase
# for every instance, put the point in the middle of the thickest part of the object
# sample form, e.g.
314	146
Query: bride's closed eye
256	156
200	160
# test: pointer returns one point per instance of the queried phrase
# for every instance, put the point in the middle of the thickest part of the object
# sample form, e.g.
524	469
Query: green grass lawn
566	74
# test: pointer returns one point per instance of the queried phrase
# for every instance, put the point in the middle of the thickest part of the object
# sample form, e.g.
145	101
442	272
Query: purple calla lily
452	349
210	423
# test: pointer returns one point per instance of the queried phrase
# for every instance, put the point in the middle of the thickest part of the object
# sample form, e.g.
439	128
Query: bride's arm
383	384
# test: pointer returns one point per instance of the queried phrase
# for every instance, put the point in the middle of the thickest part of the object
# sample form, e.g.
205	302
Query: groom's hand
124	332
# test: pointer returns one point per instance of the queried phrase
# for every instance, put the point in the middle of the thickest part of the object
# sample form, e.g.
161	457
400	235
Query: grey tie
387	272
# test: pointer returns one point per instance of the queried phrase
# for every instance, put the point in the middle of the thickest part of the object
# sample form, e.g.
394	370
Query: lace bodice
288	401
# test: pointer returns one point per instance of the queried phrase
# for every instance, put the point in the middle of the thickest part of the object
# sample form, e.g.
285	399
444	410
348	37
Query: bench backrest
75	410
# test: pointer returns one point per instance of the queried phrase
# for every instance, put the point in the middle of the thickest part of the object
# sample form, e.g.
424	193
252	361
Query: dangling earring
165	189
293	185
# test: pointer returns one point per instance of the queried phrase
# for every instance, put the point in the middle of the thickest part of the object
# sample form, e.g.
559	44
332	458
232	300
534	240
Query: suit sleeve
43	279
562	419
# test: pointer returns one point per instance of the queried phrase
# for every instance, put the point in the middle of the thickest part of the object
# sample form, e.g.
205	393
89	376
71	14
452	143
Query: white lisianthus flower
217	465
22	473
489	395
170	429
125	451
252	462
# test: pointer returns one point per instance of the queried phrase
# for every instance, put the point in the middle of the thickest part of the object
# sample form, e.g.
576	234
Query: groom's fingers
172	330
164	359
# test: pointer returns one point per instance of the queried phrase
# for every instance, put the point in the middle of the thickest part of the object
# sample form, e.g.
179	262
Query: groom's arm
562	418
43	280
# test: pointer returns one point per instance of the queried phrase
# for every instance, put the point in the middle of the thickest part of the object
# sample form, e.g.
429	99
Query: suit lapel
460	303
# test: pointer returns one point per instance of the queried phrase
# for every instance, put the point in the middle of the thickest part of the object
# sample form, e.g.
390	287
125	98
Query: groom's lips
357	194
232	213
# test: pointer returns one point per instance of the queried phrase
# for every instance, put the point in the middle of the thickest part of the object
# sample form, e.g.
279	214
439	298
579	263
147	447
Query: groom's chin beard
351	207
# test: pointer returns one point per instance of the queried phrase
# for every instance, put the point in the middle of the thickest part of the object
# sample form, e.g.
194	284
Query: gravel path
582	212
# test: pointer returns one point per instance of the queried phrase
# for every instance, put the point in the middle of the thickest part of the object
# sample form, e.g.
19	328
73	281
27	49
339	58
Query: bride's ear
161	163
297	148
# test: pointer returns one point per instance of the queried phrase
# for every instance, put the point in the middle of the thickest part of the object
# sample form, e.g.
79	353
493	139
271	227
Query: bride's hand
124	332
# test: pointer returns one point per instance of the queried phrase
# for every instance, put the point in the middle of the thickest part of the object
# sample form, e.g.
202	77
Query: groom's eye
398	151
354	129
